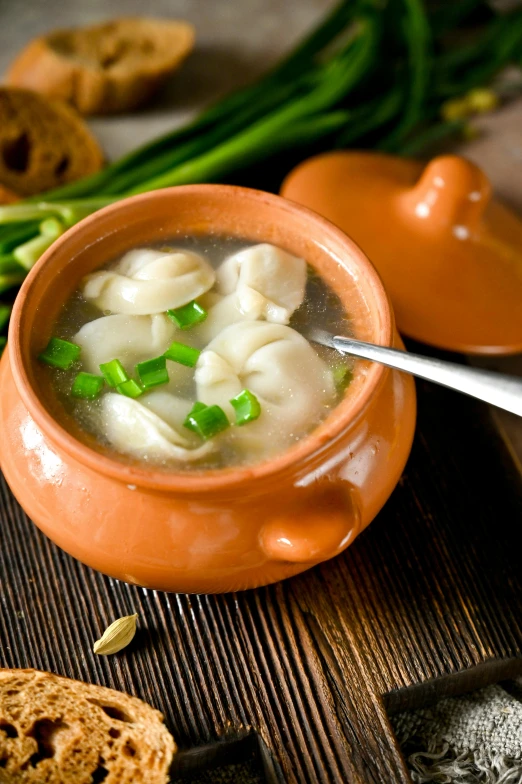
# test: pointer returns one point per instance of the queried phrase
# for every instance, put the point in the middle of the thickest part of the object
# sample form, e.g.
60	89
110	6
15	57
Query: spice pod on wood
450	256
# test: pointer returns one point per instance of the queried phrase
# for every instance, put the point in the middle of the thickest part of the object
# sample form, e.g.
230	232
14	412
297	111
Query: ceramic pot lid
449	255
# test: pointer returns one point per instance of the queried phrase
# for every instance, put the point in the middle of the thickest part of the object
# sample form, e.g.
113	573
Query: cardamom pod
117	636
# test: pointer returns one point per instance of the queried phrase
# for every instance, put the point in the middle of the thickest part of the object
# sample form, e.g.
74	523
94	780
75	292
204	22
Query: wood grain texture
425	603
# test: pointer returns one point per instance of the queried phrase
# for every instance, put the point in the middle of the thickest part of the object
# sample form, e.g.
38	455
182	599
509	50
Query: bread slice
109	67
59	731
7	196
43	143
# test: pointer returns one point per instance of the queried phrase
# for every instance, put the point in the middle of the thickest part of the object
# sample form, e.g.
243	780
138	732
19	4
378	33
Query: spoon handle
496	388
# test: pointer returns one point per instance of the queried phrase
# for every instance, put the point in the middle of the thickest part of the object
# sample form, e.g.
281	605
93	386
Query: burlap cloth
466	740
473	739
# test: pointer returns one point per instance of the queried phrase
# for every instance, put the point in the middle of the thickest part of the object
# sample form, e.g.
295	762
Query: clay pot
204	531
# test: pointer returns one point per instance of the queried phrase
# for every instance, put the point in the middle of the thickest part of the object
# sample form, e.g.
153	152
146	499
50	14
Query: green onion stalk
373	74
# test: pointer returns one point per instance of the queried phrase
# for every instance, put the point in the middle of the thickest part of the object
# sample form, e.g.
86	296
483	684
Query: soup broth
224	322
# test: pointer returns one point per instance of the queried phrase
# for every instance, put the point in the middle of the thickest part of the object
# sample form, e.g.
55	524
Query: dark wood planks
427	602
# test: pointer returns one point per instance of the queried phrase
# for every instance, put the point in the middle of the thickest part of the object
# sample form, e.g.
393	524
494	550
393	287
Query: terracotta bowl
204	531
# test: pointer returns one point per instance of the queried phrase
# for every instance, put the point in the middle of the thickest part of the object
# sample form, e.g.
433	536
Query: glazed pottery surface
449	255
204	531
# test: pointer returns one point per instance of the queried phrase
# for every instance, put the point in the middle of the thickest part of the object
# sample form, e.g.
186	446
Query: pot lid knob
451	195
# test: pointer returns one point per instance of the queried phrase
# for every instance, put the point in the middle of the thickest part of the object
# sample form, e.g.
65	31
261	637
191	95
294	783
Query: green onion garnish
188	316
5	312
247	407
208	421
87	386
3	342
114	373
153	372
185	355
130	388
60	353
28	253
194	410
342	376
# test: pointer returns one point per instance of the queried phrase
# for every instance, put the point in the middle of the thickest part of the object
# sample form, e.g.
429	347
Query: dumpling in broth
145	282
132	339
139	429
277	364
269	282
173	410
222	313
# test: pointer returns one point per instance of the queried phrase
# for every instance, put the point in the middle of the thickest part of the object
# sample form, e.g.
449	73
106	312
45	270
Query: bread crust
61	731
7	196
43	143
111	67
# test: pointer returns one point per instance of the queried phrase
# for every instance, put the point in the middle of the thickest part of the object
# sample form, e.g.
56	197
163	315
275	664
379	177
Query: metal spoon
496	388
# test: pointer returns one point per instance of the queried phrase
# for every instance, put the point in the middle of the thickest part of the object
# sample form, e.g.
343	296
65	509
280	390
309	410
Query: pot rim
342	417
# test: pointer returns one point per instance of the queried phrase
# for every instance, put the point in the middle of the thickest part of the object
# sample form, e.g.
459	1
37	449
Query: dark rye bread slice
59	731
43	143
7	196
110	67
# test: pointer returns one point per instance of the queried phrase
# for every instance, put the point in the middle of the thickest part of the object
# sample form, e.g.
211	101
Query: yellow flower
482	100
470	132
456	109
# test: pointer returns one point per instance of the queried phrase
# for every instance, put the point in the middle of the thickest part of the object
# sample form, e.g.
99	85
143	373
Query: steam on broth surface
203	360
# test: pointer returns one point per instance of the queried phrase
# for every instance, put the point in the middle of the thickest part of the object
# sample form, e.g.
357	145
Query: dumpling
222	312
272	360
280	367
133	339
130	339
173	410
247	281
135	428
269	282
145	282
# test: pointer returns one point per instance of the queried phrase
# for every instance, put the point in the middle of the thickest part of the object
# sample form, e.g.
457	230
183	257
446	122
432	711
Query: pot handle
315	525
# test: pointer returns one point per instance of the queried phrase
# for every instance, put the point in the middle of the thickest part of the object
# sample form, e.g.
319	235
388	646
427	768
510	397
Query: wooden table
299	678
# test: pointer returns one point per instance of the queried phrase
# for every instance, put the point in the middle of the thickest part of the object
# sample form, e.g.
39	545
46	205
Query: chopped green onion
247	407
342	376
60	353
15	213
8	264
12	279
188	316
185	355
130	388
3	342
5	312
153	372
194	410
114	373
13	235
87	386
208	422
69	212
29	253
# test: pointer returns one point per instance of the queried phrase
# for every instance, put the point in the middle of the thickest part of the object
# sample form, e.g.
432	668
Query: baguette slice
59	731
109	67
43	143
